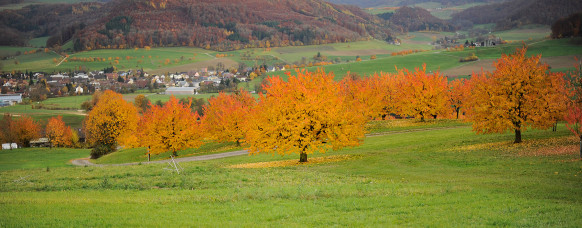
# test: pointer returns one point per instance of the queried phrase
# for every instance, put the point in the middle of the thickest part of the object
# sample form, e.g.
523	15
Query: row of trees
311	112
24	129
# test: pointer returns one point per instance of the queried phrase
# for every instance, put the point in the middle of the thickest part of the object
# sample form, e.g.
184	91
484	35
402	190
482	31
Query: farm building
180	91
10	99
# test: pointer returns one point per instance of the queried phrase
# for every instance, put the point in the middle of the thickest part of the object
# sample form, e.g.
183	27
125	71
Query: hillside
375	3
227	25
18	26
417	19
515	13
218	25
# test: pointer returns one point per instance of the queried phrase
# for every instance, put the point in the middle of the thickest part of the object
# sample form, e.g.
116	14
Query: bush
470	58
101	149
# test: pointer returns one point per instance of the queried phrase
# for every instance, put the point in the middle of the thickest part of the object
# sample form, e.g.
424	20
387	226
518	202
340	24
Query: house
180	91
182	84
9	146
41	142
58	77
10	99
79	90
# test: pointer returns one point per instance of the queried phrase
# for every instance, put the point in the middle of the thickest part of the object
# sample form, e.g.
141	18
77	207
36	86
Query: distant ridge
515	13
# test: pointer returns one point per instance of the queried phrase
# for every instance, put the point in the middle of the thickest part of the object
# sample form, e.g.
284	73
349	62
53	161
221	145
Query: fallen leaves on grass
294	162
537	147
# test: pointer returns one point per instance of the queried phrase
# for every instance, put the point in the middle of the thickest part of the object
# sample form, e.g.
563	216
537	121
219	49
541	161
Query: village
24	87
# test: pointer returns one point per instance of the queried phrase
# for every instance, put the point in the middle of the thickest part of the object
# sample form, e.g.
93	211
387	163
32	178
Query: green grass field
39	158
140	154
439	178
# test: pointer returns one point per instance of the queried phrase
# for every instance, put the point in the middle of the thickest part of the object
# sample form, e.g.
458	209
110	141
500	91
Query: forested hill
214	24
515	13
226	24
375	3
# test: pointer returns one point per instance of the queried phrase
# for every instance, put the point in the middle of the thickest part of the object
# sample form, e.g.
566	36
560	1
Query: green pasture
434	61
446	12
437	60
72	102
155	59
439	177
39	61
346	51
545	47
39	158
378	10
530	32
39	42
72	118
138	59
140	154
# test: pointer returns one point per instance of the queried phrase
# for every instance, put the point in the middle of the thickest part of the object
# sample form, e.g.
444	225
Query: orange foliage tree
142	103
6	136
171	127
304	115
224	116
574	119
111	121
58	133
458	94
423	95
373	96
23	130
519	94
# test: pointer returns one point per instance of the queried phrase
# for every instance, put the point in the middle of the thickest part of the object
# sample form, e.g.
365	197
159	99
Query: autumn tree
424	94
225	116
110	122
6	135
58	133
307	114
23	130
458	94
172	127
88	105
142	103
574	119
372	96
520	94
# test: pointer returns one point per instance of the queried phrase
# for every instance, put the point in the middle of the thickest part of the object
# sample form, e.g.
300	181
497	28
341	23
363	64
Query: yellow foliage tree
307	114
58	133
519	94
224	116
112	121
172	127
424	94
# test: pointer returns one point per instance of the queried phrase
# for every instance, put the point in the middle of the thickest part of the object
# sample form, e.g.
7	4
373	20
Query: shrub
101	149
470	58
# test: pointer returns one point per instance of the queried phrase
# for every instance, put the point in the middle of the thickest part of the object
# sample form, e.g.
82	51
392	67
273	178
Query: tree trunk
580	147
458	113
174	153
517	136
303	157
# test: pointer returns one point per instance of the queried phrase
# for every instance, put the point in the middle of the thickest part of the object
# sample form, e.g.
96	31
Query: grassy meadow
439	176
39	158
70	107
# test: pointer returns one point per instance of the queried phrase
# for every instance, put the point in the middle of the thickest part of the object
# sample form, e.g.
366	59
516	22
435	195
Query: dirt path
86	162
